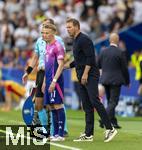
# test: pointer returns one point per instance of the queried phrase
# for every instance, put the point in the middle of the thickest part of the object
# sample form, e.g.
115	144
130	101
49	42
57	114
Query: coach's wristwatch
54	80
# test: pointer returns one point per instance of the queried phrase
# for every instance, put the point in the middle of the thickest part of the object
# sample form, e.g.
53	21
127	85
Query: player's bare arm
29	69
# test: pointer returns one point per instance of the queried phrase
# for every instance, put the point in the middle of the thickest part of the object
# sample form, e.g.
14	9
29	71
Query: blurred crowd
20	20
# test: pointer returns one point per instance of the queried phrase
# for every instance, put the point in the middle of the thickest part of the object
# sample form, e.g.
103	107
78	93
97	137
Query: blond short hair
50	26
51	21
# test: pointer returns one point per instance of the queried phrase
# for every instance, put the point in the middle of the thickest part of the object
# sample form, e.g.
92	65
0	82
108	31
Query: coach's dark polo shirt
84	54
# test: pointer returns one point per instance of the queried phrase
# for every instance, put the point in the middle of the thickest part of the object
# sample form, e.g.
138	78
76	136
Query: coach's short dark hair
74	21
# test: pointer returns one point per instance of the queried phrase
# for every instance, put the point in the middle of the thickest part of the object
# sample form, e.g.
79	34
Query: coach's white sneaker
59	138
83	137
110	134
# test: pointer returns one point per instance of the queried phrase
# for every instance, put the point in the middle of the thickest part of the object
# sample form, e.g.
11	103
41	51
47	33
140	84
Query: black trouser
90	100
76	88
112	94
39	82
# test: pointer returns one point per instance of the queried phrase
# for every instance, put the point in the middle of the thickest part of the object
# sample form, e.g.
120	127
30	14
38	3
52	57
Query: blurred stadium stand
131	36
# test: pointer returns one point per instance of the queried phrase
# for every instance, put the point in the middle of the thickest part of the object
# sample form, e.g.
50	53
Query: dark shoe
116	126
101	124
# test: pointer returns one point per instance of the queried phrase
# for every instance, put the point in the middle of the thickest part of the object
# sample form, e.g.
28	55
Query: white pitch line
51	143
64	146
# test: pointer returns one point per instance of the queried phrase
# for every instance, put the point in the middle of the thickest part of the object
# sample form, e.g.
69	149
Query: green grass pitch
128	138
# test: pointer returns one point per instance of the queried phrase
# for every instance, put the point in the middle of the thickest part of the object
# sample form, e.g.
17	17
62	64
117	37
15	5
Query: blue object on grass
28	111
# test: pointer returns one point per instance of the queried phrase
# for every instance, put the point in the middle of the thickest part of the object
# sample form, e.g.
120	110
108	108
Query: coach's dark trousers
90	100
112	94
